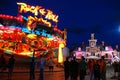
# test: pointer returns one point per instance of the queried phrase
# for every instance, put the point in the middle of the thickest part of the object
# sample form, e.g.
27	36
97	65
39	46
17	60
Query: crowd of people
41	67
8	65
95	68
73	68
43	62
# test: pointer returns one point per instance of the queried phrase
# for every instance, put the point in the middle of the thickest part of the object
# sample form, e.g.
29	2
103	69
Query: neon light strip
18	18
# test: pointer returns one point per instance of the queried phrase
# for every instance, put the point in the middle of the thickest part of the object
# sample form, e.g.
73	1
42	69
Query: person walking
42	65
115	67
32	69
11	63
96	69
82	68
90	68
67	68
2	63
74	69
103	71
51	64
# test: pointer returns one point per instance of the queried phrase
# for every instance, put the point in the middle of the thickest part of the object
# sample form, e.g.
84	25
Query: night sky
79	17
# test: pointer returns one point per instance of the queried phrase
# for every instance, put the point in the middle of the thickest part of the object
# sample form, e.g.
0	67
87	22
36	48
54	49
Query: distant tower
92	41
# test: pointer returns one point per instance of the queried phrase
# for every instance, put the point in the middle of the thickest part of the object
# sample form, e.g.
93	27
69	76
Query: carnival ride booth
78	53
22	35
108	53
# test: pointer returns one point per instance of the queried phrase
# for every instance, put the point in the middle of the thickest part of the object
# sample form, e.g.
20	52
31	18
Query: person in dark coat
32	69
96	69
2	63
67	68
11	66
42	66
82	68
74	69
103	71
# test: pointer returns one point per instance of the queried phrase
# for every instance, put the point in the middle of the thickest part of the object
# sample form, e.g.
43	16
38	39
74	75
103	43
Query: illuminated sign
42	33
48	14
31	23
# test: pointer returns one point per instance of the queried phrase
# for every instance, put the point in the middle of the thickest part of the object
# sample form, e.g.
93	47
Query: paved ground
58	74
23	74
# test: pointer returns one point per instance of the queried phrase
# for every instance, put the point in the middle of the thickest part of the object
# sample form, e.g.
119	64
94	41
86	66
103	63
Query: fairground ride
23	35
